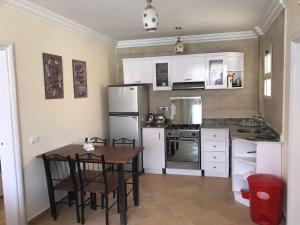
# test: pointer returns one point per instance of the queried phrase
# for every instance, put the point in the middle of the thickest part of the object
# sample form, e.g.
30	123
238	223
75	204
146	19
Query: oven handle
183	139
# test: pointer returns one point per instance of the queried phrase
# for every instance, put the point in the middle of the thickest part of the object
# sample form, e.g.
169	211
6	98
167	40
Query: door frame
13	191
293	130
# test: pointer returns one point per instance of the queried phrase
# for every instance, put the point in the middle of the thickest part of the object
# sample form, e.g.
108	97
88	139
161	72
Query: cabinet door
161	75
154	150
188	69
235	63
216	72
137	71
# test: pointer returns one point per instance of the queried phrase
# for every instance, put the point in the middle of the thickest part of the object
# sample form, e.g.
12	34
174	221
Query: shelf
246	155
248	160
242	176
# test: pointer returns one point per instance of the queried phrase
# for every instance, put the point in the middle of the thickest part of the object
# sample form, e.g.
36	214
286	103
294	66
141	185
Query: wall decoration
53	76
79	79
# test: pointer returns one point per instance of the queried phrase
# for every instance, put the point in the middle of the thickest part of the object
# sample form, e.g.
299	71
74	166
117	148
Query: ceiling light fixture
178	44
150	18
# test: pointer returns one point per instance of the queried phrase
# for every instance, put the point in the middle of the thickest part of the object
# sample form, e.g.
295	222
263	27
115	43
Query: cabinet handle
215	146
215	167
215	135
158	136
137	82
187	79
215	157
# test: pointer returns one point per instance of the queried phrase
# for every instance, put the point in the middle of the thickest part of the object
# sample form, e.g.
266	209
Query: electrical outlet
34	139
164	108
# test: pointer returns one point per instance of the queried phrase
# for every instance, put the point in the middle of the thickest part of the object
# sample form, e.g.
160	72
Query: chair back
92	169
123	142
59	168
98	141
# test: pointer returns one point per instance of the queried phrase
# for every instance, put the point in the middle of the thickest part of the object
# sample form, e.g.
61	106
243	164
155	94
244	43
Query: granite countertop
234	125
266	133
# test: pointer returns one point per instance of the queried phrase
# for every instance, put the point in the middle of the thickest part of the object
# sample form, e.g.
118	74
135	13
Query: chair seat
65	185
98	187
127	175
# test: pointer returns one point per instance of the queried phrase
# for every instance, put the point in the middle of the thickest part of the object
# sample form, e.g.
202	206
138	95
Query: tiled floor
2	216
171	200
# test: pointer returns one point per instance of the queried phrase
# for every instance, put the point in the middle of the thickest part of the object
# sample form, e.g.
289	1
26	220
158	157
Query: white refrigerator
128	108
1	188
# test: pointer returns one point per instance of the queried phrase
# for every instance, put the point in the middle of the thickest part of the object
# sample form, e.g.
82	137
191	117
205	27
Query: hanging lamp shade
178	46
150	18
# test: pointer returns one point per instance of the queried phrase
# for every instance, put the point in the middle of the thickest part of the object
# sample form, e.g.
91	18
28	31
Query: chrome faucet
259	120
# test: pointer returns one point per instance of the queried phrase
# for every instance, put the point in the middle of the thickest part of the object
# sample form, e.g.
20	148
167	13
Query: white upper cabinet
216	72
162	75
222	70
235	62
137	71
188	69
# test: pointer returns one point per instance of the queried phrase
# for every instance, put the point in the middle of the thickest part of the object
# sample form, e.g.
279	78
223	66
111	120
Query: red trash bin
265	199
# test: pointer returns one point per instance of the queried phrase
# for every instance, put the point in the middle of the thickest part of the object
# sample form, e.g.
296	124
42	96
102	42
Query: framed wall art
79	79
53	76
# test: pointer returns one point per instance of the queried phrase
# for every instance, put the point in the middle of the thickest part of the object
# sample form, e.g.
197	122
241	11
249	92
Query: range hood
188	85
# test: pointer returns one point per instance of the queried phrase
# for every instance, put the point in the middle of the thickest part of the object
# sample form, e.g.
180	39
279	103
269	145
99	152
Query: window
268	74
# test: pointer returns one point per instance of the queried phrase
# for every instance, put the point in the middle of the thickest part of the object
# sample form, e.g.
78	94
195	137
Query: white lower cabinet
154	150
215	152
250	157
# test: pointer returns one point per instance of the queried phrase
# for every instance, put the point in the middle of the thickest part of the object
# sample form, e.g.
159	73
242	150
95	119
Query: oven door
183	153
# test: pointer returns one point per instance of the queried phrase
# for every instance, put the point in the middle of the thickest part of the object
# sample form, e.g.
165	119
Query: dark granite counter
237	130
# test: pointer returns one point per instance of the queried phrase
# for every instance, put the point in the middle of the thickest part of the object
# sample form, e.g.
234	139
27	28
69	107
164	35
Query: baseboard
41	214
183	172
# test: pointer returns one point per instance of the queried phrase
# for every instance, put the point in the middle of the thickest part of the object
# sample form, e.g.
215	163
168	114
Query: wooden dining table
115	155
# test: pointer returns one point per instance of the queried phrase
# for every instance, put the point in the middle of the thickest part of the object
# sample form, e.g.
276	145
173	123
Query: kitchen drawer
214	135
215	157
216	146
214	167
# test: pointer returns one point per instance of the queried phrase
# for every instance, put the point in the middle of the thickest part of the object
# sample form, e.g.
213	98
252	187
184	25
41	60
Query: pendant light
178	44
150	18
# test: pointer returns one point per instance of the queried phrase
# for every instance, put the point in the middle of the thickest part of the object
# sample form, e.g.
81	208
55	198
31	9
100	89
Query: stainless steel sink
249	130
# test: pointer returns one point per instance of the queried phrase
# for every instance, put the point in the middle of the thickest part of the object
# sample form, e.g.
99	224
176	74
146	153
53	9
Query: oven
183	135
183	149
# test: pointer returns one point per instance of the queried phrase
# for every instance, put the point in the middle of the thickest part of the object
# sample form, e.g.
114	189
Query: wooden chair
98	141
60	174
128	167
102	181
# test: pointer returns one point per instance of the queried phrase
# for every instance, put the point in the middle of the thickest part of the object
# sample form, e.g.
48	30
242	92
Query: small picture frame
53	76
79	79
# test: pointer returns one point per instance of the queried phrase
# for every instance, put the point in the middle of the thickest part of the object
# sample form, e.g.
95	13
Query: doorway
10	150
294	136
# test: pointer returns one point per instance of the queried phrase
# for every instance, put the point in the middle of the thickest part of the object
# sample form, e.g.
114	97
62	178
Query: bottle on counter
229	80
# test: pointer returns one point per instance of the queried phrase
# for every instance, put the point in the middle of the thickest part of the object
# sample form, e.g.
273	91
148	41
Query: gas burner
184	127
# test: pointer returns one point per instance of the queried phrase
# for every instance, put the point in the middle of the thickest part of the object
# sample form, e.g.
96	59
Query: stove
183	130
183	146
184	127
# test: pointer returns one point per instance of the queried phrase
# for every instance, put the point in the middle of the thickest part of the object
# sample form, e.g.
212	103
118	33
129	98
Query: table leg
122	194
136	194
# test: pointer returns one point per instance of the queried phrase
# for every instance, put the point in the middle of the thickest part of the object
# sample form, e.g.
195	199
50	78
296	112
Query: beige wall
216	103
62	121
292	31
272	108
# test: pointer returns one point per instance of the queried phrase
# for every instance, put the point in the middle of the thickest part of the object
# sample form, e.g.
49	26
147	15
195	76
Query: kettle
150	118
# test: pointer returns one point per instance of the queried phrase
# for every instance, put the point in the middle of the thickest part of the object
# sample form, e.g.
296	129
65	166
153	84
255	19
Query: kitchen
205	96
183	134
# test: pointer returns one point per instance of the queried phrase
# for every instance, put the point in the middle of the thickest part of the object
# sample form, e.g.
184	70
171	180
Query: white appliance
1	188
128	108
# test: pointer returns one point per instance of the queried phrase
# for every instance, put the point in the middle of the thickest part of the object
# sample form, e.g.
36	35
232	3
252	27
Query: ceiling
122	19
